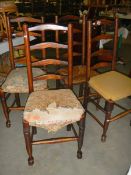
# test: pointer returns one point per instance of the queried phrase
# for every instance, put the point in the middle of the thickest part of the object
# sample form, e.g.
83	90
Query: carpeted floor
110	158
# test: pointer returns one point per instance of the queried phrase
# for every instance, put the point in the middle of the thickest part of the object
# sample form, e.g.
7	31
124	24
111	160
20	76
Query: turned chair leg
81	136
58	84
5	109
17	97
27	136
86	97
108	108
98	101
81	90
34	130
68	127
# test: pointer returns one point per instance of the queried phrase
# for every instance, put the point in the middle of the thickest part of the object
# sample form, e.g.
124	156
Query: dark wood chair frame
109	104
16	104
26	127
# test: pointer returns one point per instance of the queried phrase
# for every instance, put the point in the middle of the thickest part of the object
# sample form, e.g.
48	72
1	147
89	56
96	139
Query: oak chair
79	51
7	8
79	44
16	81
16	26
79	36
54	108
112	85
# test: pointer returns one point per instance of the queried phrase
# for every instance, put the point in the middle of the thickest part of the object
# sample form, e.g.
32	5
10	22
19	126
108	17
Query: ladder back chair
16	25
78	35
7	8
107	29
79	50
79	44
16	81
111	86
51	109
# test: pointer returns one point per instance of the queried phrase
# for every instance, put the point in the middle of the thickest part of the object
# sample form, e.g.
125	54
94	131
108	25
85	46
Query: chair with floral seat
112	86
79	43
16	81
51	109
79	52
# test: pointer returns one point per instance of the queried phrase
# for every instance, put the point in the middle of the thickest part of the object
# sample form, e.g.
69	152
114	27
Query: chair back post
70	55
83	39
56	19
57	39
43	37
115	44
88	55
9	35
28	58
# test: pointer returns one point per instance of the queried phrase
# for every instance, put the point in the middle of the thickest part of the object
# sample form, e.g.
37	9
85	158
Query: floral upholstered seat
79	73
60	108
17	81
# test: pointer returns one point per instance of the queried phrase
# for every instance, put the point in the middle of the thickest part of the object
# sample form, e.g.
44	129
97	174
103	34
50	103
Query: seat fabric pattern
60	108
17	81
111	85
79	73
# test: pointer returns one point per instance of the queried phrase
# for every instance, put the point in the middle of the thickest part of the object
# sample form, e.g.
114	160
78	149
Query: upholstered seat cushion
79	73
111	85
17	81
52	109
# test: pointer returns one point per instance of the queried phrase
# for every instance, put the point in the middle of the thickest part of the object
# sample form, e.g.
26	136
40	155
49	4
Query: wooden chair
107	29
79	44
16	25
112	85
7	8
16	81
79	52
62	102
1	26
79	36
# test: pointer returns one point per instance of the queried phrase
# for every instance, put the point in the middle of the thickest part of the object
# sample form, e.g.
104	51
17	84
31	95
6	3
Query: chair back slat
50	62
48	27
49	77
103	36
26	19
48	45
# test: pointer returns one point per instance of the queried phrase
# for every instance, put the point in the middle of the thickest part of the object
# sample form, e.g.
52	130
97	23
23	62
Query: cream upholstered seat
114	87
54	112
17	81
